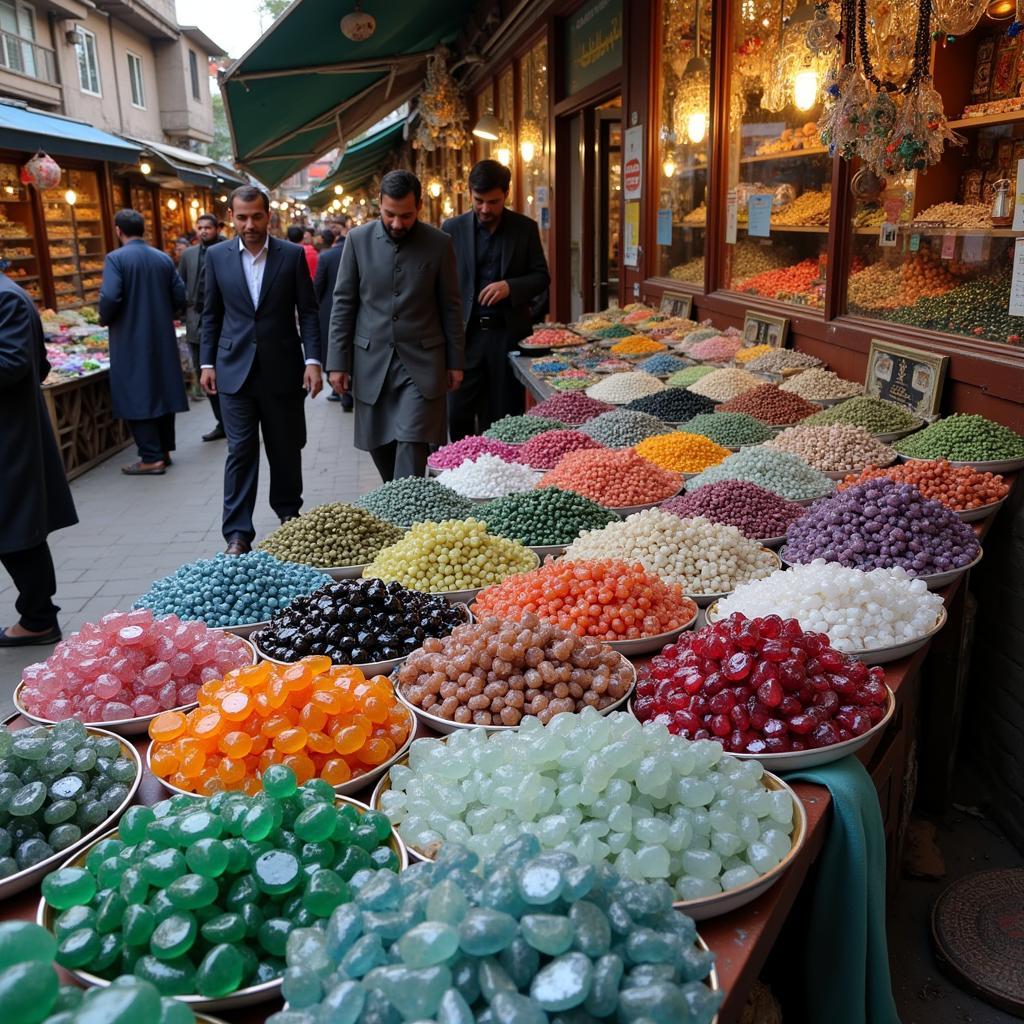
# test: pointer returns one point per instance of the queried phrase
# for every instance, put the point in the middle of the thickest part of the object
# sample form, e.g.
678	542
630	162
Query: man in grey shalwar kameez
396	337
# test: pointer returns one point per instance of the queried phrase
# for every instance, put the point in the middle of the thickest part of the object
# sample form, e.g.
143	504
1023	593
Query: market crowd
412	325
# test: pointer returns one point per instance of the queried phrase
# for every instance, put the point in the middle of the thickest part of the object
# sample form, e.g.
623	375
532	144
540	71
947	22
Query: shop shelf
1010	117
796	154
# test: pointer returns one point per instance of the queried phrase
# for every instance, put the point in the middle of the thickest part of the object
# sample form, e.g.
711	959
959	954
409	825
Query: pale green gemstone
702	863
762	857
748	827
680	832
690	888
694	792
618	841
652	862
735	877
726	844
781	807
778	840
429	943
651	830
547	933
621	818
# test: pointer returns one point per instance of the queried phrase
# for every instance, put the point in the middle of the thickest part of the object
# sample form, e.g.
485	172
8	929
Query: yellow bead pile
455	554
637	345
682	452
747	355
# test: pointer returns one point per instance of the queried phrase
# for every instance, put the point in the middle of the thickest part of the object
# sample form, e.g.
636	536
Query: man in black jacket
34	496
323	285
501	270
259	362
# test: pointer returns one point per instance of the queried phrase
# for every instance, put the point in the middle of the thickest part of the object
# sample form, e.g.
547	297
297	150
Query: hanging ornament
957	17
531	139
690	109
42	171
442	120
823	33
358	25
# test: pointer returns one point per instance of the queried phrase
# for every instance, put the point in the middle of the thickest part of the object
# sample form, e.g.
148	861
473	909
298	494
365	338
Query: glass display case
533	139
18	247
779	174
934	250
142	200
504	149
682	170
172	218
73	218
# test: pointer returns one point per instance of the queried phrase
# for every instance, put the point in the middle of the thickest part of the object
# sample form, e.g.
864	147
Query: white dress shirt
253	267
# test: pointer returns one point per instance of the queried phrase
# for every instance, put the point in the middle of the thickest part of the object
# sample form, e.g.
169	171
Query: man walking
501	270
34	496
191	268
297	236
140	296
396	335
259	362
323	285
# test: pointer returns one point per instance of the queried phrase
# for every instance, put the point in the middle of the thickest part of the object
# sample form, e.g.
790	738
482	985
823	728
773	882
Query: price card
948	246
664	227
887	234
759	208
1017	282
915	243
731	207
974	249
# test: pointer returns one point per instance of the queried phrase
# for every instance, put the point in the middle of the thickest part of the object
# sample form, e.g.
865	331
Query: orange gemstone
231	772
168	725
235	744
163	761
320	743
350	738
376	751
290	741
336	771
312	718
235	707
302	766
210	724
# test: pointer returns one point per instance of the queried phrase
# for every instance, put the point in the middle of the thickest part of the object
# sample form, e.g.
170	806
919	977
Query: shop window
193	73
934	249
74	233
533	139
504	150
18	245
17	38
88	62
779	200
135	81
682	168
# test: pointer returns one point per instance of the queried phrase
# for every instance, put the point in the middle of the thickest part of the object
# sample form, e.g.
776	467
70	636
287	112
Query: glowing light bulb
669	167
194	204
222	199
71	197
435	188
145	167
504	155
697	126
172	204
338	189
527	150
805	89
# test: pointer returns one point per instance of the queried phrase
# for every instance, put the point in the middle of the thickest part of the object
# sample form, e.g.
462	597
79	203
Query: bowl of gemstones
62	786
200	898
326	721
363	622
124	670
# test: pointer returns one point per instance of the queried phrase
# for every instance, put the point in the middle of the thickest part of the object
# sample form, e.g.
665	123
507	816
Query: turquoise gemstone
593	933
21	941
520	960
548	933
513	1008
27	992
364	955
220	972
483	932
662	1003
493	979
429	943
646	946
173	1011
344	927
453	1009
446	903
563	983
300	988
604	990
540	883
344	1003
416	994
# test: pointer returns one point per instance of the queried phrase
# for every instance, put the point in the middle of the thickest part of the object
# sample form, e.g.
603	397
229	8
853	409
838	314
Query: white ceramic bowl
446	725
137	726
934	581
246	629
649	644
895	435
27	877
346	572
992	466
972	515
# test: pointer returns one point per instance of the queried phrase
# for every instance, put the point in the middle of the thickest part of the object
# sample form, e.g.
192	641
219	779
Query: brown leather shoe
144	469
238	545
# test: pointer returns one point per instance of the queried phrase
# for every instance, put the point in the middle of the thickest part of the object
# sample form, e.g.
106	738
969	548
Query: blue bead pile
231	591
549	366
661	364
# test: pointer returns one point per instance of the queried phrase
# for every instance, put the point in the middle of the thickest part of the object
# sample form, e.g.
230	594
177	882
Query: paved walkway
134	530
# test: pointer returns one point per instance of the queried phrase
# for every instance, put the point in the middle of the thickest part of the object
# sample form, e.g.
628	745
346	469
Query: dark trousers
489	388
282	419
398	459
154	438
36	583
214	399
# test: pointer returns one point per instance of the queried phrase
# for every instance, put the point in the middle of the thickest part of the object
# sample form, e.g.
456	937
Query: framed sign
593	43
906	376
676	304
761	329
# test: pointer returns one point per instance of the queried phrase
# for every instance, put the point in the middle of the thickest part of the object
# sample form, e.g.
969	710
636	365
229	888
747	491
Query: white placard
731	218
633	163
974	248
1018	206
1017	282
887	234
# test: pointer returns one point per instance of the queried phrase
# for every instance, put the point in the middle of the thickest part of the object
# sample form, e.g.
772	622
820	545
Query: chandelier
442	120
690	109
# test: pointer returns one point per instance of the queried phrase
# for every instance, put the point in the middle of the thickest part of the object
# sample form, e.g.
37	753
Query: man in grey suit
502	269
396	334
191	267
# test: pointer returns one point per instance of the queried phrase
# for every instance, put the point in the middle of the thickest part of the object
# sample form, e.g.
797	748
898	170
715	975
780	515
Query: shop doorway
592	246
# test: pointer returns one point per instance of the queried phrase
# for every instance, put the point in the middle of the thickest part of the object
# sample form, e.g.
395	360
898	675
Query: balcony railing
27	57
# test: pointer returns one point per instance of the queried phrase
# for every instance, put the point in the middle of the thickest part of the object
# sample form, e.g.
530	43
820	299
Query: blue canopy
27	129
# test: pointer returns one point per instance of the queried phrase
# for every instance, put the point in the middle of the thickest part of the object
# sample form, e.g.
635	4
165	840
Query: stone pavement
133	530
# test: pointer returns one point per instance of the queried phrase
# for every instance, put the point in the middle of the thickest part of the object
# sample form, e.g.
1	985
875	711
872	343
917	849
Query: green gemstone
354	859
27	992
133	886
68	887
273	935
174	936
253	918
110	912
78	948
224	928
120	1003
324	892
27	800
239	859
220	972
161	869
137	925
384	859
192	891
208	857
366	837
199	825
322	853
258	822
315	824
381	824
171	977
134	822
243	890
111	872
277	872
108	955
71	920
21	941
173	1011
279	782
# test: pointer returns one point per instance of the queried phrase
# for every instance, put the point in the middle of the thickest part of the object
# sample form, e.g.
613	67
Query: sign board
633	163
759	215
593	43
761	329
664	227
909	377
1017	280
676	304
731	217
631	235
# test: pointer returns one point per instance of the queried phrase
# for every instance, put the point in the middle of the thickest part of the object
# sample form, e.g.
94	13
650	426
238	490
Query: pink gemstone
130	636
59	709
156	675
32	699
113	621
164	648
114	710
187	693
204	651
51	685
107	686
140	617
145	705
209	672
168	695
181	665
33	671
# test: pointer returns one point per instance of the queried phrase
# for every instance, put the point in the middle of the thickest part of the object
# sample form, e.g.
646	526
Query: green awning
360	163
304	87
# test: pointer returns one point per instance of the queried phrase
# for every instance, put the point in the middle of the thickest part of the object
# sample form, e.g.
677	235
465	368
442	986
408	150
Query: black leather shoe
217	434
346	401
334	397
51	636
238	545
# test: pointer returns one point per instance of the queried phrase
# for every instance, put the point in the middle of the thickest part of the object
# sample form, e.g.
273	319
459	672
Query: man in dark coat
191	267
323	285
259	362
139	299
34	496
396	331
502	269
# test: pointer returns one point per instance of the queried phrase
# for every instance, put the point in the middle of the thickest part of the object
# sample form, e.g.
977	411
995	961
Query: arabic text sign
907	376
593	43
